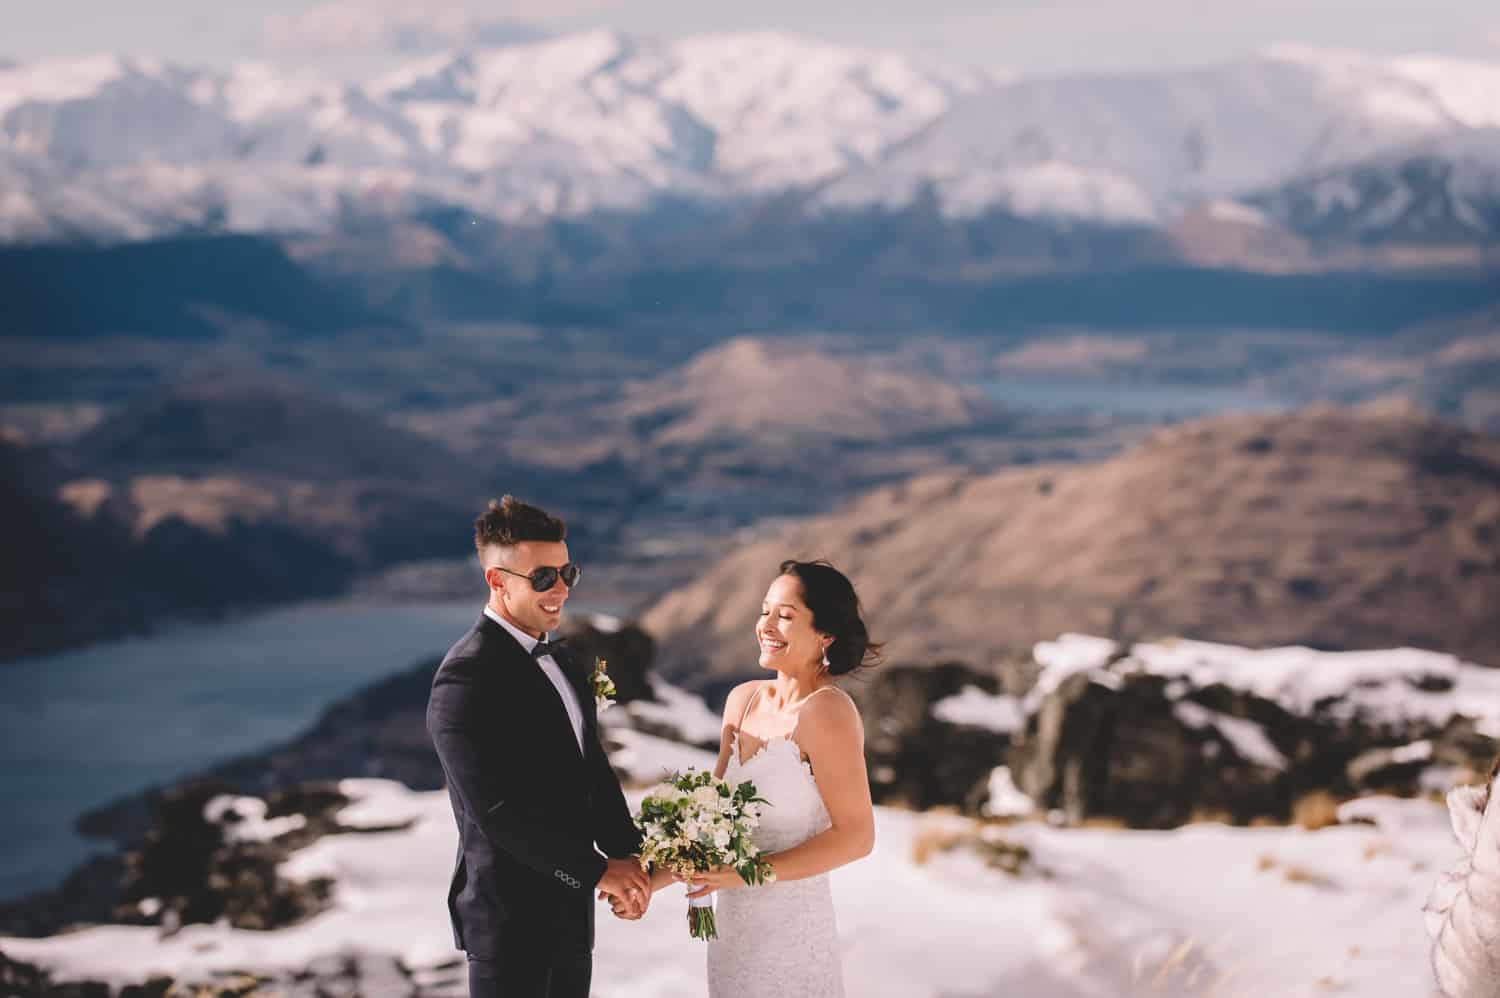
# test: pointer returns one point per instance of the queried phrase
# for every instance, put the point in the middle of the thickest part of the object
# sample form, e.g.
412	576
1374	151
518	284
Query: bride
799	739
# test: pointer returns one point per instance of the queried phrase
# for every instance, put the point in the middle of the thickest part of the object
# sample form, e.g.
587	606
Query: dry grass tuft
930	840
984	841
1295	874
1316	810
1210	816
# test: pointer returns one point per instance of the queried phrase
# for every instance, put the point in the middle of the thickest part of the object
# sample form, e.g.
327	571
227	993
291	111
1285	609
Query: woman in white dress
1463	912
799	739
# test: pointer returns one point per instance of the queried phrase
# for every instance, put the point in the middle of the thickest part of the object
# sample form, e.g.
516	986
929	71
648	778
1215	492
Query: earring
826	663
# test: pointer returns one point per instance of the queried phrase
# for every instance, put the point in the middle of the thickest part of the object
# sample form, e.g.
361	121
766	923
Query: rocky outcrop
352	973
1170	732
206	855
916	759
1130	752
1158	735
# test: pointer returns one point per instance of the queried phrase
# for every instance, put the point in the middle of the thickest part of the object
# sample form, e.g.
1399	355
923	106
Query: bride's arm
833	737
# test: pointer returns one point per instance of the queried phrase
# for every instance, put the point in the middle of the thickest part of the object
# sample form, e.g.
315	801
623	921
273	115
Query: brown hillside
1337	528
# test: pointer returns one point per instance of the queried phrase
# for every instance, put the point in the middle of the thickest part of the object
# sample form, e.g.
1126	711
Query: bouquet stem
700	917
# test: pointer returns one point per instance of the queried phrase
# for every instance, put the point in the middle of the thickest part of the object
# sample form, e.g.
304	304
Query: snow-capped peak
1425	89
573	123
58	80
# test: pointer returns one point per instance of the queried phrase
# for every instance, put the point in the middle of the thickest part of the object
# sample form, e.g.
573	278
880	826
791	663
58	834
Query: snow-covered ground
1204	910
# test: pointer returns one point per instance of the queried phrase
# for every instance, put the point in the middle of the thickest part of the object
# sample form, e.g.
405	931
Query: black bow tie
547	648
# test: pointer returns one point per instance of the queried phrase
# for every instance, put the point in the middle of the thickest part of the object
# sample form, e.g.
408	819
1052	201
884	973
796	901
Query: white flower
706	797
721	838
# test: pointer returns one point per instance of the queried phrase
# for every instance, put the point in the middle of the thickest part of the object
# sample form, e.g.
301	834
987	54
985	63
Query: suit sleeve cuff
595	871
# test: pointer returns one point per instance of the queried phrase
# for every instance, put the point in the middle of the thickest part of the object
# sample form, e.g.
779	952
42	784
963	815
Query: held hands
627	887
718	879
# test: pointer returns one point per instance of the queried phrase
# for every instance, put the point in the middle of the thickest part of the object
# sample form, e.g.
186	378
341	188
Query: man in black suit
513	720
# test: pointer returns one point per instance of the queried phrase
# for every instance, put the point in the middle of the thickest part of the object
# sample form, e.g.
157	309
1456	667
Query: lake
85	726
1159	402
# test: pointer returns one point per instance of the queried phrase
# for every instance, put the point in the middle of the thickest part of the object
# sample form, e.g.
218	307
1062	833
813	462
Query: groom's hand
622	910
625	880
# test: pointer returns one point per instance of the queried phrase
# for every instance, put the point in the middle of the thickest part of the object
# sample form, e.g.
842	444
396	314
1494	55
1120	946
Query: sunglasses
544	578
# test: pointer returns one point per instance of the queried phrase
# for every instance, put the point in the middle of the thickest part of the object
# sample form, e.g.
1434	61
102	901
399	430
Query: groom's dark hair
510	521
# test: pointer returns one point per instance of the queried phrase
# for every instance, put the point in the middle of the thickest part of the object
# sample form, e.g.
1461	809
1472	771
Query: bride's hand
718	879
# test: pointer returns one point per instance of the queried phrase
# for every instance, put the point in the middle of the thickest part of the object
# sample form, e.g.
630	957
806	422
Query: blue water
1164	402
82	727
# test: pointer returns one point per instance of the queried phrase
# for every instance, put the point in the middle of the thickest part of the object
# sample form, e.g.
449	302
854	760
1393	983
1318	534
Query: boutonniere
603	686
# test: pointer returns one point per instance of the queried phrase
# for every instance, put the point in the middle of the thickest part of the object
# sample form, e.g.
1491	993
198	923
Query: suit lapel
526	678
582	688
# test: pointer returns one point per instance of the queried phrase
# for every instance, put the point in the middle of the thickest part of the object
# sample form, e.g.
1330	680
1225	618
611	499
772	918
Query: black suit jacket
530	807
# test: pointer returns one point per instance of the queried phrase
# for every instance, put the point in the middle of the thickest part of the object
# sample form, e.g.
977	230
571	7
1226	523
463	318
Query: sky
353	36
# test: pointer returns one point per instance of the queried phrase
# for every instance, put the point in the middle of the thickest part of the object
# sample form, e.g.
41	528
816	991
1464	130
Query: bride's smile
784	631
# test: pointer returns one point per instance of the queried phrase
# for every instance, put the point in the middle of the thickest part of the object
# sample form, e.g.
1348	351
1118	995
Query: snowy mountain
113	148
1443	190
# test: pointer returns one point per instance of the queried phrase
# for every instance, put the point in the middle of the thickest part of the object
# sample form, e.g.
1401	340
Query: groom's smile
534	612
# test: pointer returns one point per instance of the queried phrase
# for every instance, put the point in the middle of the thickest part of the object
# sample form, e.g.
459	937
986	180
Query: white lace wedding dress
1463	910
778	940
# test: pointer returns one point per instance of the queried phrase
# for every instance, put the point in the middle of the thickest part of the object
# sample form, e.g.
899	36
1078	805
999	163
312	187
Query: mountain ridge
1358	528
564	126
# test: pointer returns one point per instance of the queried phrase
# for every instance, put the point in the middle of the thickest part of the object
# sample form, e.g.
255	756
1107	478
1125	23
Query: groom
513	720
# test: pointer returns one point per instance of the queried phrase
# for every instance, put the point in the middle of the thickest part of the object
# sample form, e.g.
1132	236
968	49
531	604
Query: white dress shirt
552	671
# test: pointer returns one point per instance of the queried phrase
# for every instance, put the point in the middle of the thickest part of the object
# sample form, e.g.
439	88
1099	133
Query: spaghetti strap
820	689
744	711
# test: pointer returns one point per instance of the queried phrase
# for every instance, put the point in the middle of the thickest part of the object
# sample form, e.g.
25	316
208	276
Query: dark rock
913	757
1118	749
352	974
89	895
1122	744
192	869
628	651
156	987
1387	770
21	979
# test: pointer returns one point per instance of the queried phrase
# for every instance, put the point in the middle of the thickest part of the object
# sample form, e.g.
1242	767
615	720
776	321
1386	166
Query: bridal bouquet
691	823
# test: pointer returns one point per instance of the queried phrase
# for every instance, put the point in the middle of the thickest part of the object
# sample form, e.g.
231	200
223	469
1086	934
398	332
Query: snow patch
1114	909
1247	738
975	708
1238	213
1005	800
244	819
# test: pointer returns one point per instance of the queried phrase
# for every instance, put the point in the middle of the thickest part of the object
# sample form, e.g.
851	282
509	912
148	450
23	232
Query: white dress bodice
779	940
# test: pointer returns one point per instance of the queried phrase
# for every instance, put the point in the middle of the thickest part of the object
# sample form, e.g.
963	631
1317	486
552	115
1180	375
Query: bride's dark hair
830	596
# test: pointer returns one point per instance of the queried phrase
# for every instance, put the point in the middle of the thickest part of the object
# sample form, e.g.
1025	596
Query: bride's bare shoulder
833	710
739	697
